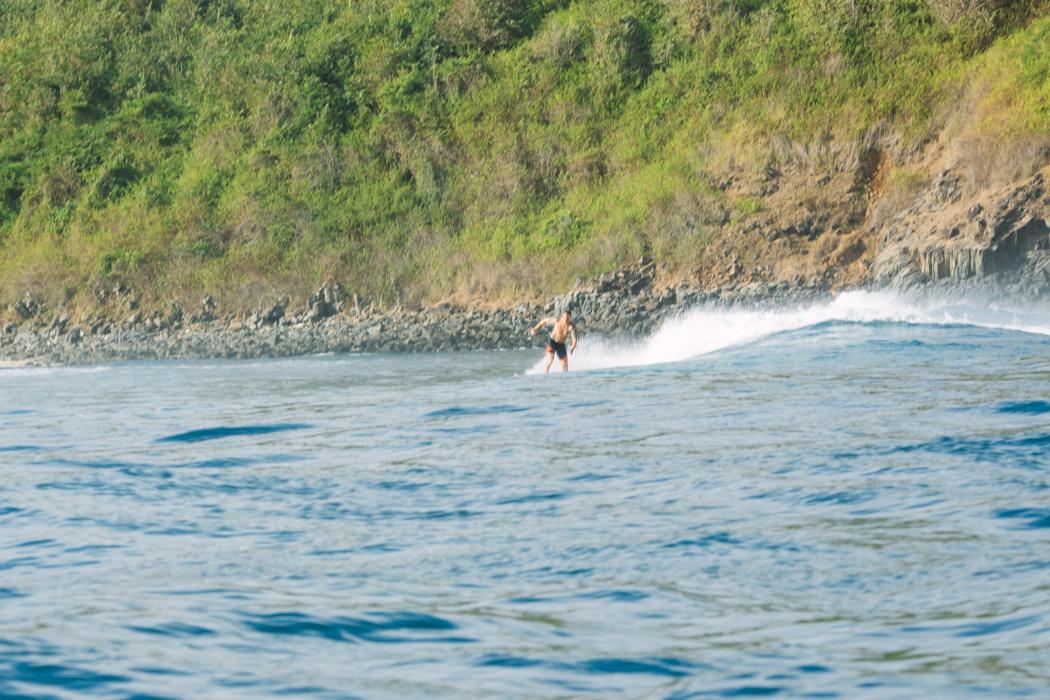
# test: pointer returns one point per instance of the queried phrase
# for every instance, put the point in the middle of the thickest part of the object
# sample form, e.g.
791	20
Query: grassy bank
418	150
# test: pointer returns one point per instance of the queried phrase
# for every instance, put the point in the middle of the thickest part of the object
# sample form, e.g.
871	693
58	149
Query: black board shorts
557	348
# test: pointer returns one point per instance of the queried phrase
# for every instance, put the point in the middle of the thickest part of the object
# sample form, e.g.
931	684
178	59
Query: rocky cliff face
1000	237
846	223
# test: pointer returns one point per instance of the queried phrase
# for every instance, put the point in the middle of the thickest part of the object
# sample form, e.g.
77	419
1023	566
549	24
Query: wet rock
28	306
334	295
207	310
276	312
175	315
319	310
326	301
947	187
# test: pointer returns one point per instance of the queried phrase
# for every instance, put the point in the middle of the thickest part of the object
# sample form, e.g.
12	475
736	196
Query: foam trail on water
12	370
702	331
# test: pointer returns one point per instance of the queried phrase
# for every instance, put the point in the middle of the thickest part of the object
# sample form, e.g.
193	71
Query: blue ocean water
845	501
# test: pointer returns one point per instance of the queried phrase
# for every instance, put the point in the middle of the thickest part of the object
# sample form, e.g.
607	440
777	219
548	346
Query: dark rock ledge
623	303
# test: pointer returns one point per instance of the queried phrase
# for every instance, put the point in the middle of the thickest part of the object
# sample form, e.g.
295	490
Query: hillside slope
489	150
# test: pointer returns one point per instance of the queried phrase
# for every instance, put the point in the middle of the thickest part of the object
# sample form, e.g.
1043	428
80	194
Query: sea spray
700	331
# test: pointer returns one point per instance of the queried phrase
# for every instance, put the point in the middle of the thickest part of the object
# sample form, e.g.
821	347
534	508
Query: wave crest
705	330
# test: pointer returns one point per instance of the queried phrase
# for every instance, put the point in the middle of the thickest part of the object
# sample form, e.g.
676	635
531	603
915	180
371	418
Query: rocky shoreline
623	304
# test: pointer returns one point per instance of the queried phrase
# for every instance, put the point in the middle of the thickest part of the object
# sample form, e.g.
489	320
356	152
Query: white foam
20	370
703	331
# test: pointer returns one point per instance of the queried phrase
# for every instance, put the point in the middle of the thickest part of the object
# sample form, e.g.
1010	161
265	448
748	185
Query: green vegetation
421	148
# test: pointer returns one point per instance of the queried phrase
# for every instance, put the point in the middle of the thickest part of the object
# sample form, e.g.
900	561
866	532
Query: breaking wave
705	330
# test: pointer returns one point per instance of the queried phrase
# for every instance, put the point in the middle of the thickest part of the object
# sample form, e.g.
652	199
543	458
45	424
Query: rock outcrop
28	306
1002	240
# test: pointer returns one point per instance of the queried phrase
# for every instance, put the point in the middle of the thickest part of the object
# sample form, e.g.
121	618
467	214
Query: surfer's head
567	315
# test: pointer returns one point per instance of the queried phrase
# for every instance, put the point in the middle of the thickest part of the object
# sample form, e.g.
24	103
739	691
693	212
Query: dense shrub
976	22
484	24
435	146
621	57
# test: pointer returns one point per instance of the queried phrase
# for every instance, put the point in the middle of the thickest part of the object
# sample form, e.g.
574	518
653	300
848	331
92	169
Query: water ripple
381	627
456	411
20	448
1033	517
61	676
173	629
219	433
667	667
1033	408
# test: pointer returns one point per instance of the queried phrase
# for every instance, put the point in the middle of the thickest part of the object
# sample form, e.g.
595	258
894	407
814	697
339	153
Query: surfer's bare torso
561	329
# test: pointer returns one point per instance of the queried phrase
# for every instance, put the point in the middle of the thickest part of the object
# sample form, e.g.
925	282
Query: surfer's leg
563	356
550	361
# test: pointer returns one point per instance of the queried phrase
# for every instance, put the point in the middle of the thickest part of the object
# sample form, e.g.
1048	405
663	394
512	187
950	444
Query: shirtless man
563	326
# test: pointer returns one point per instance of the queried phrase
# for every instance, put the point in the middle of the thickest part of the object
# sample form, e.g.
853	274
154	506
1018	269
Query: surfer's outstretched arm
541	324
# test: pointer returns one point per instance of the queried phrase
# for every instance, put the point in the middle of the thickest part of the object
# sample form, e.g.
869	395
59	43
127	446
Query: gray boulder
28	306
275	313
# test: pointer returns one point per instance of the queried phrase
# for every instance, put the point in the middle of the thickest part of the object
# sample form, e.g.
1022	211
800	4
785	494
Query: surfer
563	326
